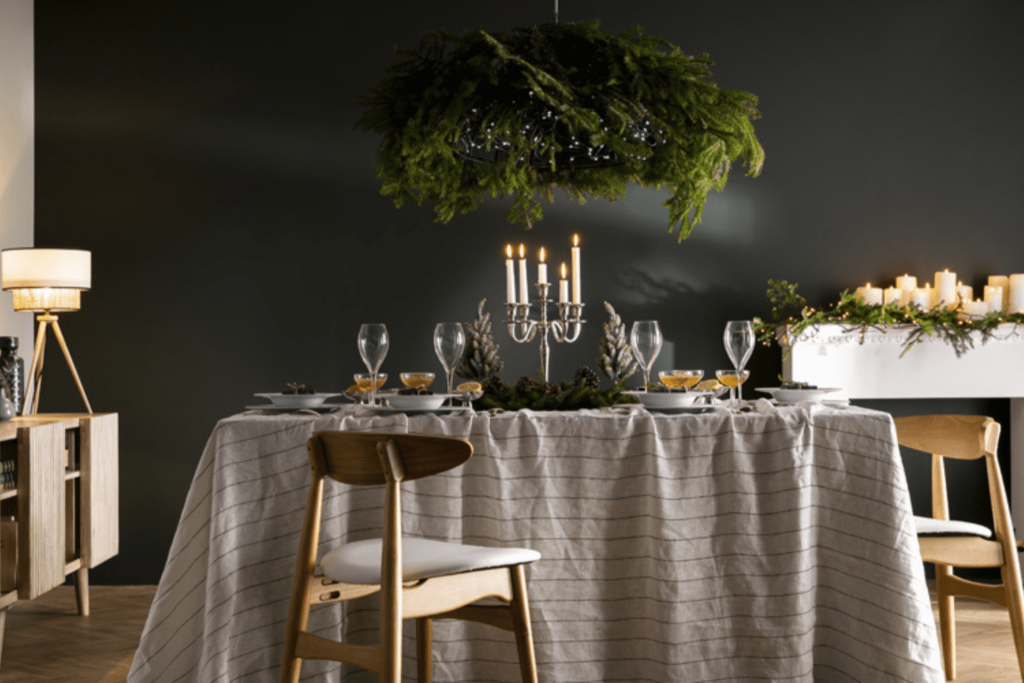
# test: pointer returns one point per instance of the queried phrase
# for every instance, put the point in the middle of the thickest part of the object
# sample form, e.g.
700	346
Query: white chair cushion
926	526
359	562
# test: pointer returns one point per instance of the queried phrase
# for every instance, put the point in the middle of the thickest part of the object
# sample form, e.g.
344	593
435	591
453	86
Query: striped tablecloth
715	547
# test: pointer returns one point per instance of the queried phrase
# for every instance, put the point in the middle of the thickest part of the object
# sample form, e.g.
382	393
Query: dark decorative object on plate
480	359
299	389
12	367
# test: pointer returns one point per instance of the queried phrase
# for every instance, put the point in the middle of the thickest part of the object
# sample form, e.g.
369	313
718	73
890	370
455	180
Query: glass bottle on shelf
12	367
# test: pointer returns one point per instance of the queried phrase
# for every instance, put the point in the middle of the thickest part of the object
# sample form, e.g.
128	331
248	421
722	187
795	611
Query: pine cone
524	386
587	377
616	355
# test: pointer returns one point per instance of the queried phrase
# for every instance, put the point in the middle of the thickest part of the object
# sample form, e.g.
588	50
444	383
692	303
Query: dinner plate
816	395
271	408
686	410
385	410
295	401
418	401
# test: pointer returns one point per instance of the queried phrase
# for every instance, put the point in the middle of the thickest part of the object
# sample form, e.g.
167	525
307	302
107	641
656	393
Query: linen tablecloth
714	547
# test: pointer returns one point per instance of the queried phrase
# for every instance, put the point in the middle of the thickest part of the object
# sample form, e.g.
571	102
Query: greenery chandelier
567	105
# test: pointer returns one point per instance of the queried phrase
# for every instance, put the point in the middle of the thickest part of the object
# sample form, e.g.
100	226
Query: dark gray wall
205	153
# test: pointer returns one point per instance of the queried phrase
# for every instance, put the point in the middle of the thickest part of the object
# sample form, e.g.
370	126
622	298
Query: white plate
687	410
271	408
798	395
419	401
384	410
294	401
665	399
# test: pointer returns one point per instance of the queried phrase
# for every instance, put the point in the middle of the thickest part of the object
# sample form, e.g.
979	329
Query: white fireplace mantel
867	364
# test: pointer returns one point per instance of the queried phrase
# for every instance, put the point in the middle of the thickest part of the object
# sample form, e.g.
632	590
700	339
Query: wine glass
449	342
645	339
739	344
373	346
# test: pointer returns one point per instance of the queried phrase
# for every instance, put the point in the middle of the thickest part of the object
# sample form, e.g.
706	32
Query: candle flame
575	240
522	251
563	271
542	256
508	251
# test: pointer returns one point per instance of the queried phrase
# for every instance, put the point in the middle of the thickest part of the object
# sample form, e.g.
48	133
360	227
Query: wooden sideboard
65	505
871	364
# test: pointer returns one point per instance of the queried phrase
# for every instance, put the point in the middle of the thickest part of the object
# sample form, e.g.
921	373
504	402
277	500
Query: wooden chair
952	544
417	578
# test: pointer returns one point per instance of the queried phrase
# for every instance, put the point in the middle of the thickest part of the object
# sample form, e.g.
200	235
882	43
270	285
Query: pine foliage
480	359
635	98
535	394
616	355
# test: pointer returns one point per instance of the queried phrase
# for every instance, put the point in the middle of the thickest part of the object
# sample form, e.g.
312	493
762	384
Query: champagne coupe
449	342
733	379
373	346
680	379
645	339
739	344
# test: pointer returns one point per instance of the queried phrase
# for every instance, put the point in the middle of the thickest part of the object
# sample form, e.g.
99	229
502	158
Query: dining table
773	543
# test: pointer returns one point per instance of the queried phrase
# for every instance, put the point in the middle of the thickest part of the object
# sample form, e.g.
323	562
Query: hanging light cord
556	11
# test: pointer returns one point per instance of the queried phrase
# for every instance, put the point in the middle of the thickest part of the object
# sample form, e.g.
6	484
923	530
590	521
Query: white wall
17	150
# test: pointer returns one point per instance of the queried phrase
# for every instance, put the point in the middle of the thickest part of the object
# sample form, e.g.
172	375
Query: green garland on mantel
791	309
495	114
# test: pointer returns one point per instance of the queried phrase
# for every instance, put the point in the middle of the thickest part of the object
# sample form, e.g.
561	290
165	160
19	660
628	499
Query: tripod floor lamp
46	281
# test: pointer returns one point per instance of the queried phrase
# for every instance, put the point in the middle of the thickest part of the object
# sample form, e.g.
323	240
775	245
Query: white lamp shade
33	268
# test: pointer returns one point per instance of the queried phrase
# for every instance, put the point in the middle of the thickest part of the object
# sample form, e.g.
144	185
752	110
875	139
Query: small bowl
799	395
296	401
417	380
417	401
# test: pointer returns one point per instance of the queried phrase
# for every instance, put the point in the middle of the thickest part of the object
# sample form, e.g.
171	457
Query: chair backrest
963	437
352	457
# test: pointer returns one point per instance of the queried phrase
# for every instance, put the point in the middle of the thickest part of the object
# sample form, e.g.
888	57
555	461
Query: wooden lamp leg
35	370
71	363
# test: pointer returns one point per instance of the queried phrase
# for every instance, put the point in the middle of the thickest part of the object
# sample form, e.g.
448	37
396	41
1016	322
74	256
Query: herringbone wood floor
47	641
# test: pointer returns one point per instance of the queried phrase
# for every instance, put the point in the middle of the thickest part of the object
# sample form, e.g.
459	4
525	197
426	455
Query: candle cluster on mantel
542	275
1002	293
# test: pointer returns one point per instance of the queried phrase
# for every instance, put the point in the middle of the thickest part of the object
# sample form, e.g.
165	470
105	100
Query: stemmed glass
645	339
449	342
739	344
373	346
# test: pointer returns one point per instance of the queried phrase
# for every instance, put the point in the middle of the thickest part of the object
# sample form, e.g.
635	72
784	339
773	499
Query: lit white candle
892	295
576	269
872	296
994	297
945	289
999	281
922	297
973	309
510	276
524	285
1015	300
542	267
964	292
907	284
563	287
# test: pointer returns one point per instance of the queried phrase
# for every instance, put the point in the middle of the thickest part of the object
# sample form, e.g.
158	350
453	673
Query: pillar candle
510	276
542	267
524	285
994	297
964	292
1015	301
872	296
892	295
906	283
576	269
974	309
999	281
922	298
563	287
945	289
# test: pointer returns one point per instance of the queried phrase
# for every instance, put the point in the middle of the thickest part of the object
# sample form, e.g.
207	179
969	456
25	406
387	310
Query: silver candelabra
566	328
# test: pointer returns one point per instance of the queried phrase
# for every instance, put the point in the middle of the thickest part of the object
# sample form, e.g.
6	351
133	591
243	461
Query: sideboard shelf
65	505
871	364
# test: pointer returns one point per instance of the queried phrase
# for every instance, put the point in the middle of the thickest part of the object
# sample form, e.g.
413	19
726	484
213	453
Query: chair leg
523	626
947	619
1015	605
424	649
